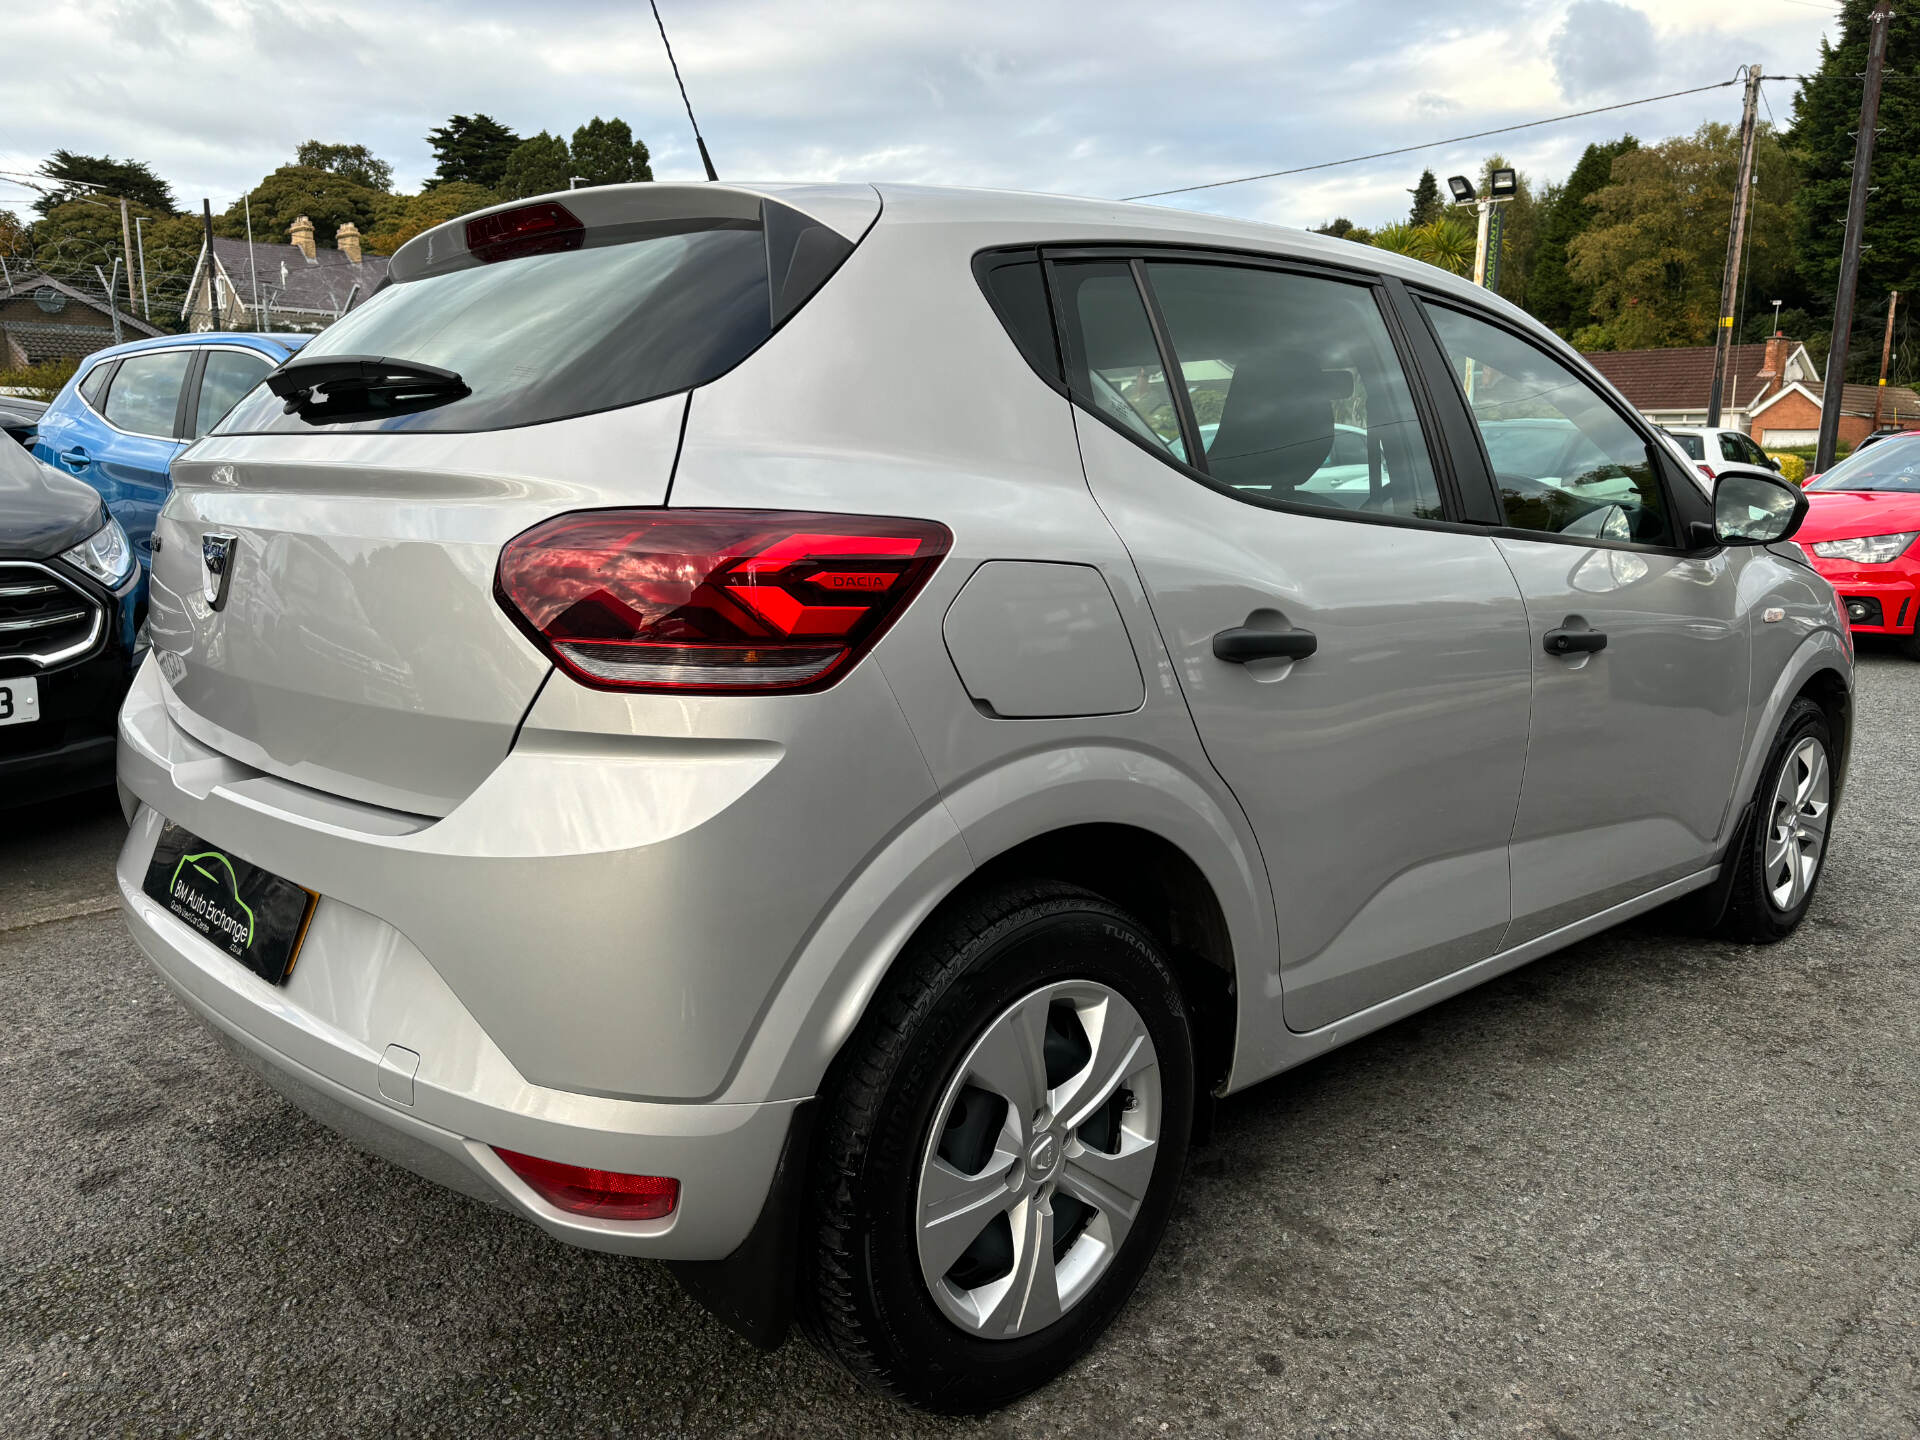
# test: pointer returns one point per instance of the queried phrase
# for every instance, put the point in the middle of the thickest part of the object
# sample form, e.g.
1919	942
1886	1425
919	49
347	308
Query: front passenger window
1564	460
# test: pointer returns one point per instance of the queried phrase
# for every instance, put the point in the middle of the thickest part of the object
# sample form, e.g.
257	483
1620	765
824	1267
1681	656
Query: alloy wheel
1797	828
1041	1153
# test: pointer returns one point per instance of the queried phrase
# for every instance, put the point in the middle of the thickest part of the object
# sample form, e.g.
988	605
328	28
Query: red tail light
604	1194
722	601
1706	470
525	230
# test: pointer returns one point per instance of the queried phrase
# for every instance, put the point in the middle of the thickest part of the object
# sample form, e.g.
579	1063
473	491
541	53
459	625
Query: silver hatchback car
805	732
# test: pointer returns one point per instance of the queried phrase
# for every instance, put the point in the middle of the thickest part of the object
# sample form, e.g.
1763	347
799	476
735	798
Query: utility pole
1850	247
111	286
140	242
213	290
1886	358
1730	275
126	245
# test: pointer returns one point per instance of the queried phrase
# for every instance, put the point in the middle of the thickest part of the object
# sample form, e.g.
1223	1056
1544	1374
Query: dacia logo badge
216	552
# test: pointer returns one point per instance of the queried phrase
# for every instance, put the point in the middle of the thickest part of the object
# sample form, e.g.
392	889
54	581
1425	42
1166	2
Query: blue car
128	410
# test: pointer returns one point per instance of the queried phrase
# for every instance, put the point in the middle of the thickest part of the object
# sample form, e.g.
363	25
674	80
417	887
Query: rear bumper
318	1040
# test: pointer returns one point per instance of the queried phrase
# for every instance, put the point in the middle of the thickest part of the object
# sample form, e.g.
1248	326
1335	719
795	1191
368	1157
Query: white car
1712	448
752	727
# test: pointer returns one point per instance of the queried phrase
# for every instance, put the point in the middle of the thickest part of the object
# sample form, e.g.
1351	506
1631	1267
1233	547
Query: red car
1860	534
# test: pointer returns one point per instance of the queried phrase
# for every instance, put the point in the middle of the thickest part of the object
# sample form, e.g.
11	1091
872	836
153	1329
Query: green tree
327	199
1658	244
605	153
404	216
1338	227
1552	294
1427	204
538	165
1447	242
350	162
1826	113
132	180
472	150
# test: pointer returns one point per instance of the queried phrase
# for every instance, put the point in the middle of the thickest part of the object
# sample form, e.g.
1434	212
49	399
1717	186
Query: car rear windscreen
634	312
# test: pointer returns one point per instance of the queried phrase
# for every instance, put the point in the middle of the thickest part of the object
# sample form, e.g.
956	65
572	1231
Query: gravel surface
1648	1185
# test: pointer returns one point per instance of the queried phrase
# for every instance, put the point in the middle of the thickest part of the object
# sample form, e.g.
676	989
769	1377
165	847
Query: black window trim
1657	456
1136	257
109	366
190	407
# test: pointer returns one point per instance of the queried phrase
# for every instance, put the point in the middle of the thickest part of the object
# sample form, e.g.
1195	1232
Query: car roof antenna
705	159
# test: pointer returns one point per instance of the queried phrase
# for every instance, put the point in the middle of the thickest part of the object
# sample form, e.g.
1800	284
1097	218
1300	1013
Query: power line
1436	144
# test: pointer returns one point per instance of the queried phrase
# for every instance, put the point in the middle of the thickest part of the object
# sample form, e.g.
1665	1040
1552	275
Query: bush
44	379
1792	467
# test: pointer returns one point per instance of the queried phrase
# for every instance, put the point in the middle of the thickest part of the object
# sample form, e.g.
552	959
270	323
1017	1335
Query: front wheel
1003	1140
1786	844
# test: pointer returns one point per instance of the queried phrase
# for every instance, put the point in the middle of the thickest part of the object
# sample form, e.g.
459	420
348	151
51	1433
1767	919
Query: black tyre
1785	848
1910	643
1001	1144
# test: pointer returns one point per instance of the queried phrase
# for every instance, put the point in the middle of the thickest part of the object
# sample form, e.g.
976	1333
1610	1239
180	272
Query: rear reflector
538	229
719	601
603	1194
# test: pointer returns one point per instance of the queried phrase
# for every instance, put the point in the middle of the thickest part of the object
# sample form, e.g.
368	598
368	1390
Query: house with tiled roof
298	286
42	318
1672	387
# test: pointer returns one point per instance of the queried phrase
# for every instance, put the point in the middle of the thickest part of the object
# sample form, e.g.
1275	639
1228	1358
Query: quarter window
95	385
145	393
1115	366
1564	460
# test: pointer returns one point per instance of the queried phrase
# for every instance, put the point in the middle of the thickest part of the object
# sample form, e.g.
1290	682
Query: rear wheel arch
1163	888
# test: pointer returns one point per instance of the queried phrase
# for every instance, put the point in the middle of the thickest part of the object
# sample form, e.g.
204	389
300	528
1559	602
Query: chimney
302	231
1778	348
348	239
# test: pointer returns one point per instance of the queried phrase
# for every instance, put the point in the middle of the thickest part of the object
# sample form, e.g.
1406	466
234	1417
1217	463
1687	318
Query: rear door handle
75	459
1575	642
1240	644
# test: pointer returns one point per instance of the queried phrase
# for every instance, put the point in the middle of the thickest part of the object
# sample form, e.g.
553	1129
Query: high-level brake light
718	601
538	229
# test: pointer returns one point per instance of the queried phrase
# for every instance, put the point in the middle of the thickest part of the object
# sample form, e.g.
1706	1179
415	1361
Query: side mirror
1752	507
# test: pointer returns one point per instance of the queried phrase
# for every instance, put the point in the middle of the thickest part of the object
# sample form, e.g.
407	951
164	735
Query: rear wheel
1003	1139
1910	643
1786	845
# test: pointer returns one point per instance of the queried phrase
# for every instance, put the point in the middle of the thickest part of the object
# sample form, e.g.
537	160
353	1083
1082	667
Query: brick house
1672	387
298	286
1773	392
1791	416
46	319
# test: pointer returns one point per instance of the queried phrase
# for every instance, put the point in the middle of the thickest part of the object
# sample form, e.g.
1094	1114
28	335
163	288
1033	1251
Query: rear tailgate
358	647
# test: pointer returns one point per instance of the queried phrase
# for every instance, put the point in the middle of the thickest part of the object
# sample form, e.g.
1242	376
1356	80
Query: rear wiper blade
331	389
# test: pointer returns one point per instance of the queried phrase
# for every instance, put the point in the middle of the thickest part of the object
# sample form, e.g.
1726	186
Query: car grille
45	618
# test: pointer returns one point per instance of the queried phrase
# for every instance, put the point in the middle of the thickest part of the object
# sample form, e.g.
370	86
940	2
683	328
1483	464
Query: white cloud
1110	99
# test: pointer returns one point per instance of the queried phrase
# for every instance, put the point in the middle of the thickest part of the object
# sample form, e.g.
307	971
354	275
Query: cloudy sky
1111	98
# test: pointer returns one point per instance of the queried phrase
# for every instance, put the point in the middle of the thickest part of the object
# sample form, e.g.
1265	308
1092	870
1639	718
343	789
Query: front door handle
1575	642
75	459
1240	644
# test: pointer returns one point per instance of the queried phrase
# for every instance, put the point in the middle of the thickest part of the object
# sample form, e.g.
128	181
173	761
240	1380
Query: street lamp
140	241
1502	185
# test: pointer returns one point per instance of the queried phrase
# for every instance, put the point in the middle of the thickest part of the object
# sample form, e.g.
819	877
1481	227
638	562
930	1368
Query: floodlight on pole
1502	184
573	181
1462	188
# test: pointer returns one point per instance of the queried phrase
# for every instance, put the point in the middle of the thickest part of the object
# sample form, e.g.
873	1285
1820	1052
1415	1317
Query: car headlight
105	555
1866	549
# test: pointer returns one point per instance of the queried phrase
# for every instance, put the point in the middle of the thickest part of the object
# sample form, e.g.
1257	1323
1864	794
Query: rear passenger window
1730	449
228	375
1296	390
1563	459
145	393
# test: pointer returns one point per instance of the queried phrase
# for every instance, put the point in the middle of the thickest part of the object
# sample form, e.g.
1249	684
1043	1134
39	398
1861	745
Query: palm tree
1447	242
